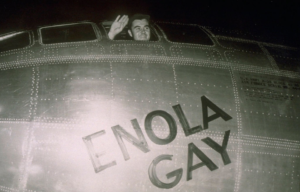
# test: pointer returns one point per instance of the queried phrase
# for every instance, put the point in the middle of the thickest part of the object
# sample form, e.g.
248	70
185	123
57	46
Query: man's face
140	30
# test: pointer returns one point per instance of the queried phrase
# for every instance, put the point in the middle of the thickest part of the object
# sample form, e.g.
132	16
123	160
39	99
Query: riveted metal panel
16	87
270	105
137	49
73	91
195	52
286	59
252	59
12	152
70	50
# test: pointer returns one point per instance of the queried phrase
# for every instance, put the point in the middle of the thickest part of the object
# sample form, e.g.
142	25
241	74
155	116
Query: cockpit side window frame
152	29
31	40
210	35
94	26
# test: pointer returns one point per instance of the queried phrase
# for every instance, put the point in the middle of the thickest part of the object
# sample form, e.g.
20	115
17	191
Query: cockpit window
14	41
185	34
68	33
123	35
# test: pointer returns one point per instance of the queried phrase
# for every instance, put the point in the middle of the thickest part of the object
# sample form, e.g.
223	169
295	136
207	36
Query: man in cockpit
138	26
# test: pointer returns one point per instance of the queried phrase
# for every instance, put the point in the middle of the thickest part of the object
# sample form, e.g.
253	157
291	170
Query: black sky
268	18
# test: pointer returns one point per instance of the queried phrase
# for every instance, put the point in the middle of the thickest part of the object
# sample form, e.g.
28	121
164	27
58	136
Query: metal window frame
94	26
30	35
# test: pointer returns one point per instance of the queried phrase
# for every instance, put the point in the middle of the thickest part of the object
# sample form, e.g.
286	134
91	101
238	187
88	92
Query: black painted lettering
153	176
184	123
218	148
93	155
171	123
140	143
218	112
193	149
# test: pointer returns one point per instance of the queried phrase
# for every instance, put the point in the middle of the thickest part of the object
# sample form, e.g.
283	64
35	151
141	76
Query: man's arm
117	26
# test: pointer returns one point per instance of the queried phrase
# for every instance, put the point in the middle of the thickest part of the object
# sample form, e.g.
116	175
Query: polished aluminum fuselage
61	105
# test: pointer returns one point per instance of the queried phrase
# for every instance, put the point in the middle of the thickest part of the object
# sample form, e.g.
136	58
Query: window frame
182	43
94	26
31	40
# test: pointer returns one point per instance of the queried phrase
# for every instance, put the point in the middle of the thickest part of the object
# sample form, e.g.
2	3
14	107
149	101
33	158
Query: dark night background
272	18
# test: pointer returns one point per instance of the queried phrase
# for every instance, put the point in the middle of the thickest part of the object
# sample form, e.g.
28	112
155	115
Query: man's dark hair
137	17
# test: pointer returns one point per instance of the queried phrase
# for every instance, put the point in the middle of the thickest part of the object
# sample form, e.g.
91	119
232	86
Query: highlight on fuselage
195	108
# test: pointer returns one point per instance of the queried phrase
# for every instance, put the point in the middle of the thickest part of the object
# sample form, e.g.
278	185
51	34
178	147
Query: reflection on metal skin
80	112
